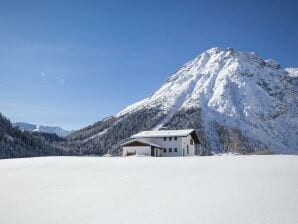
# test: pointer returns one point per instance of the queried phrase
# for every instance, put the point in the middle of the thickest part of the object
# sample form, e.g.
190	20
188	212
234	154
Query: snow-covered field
218	189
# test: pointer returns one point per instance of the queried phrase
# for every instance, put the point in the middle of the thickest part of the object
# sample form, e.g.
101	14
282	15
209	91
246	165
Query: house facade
163	143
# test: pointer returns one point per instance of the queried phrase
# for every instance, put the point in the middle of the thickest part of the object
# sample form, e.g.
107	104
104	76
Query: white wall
167	144
191	149
140	150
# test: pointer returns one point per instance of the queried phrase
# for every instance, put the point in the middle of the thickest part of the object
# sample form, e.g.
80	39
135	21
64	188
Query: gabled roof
167	133
141	142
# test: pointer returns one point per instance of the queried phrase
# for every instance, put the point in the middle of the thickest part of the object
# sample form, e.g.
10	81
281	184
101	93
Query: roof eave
144	143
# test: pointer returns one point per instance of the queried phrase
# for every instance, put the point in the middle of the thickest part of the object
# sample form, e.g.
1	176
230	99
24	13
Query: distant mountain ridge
15	143
41	128
237	101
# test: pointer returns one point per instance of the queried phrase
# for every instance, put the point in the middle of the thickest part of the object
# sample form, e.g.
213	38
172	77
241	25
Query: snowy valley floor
218	189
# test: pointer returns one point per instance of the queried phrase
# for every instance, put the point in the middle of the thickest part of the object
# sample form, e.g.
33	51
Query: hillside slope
237	101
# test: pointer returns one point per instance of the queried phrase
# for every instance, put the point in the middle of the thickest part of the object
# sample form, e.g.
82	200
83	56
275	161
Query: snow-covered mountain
236	101
41	128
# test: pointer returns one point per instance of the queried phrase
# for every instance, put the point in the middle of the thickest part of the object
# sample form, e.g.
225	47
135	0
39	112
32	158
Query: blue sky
72	63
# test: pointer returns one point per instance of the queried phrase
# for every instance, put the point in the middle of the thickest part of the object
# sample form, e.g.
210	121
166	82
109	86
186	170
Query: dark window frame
175	150
170	149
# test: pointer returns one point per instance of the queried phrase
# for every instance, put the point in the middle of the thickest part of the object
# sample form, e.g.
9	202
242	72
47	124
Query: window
175	150
164	150
170	138
191	141
170	149
175	138
165	139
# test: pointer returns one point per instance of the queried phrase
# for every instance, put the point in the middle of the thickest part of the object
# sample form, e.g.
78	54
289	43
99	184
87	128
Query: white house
163	143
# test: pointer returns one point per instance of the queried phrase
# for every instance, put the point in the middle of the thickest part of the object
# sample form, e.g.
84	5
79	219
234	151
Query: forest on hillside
106	136
15	143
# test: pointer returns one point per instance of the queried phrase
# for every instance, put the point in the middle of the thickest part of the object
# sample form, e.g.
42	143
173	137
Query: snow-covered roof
163	133
167	133
142	142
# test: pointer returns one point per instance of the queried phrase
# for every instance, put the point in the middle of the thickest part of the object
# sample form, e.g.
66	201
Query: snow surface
163	133
235	89
209	190
293	72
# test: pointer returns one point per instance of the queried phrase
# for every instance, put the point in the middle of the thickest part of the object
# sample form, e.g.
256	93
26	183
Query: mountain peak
216	59
214	50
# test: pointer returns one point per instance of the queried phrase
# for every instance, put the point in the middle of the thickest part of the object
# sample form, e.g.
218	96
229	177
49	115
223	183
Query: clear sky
72	63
